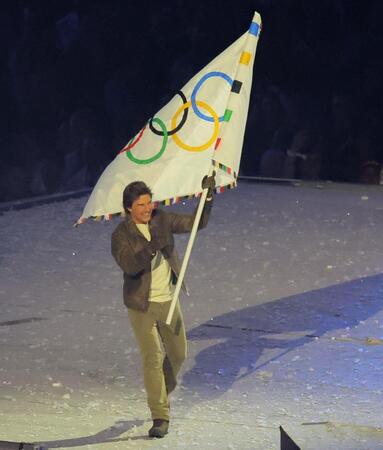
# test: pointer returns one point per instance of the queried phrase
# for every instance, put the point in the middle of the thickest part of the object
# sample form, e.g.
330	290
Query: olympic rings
198	86
180	125
160	152
202	147
197	105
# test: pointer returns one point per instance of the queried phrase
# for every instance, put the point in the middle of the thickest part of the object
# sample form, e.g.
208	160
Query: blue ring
197	87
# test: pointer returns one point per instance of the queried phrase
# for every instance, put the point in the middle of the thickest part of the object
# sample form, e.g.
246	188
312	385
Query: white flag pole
189	247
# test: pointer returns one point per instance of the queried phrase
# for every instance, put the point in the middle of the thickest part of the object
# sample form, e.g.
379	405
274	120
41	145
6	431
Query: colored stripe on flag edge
224	168
167	202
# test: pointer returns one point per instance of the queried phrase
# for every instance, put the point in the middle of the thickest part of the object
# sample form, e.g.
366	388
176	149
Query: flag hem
169	201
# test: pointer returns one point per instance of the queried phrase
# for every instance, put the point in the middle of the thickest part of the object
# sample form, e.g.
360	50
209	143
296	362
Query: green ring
162	149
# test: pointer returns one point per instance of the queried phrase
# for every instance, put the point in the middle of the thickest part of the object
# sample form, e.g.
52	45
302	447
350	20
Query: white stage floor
285	327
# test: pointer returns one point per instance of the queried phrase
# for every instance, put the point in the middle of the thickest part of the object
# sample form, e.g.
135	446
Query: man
143	246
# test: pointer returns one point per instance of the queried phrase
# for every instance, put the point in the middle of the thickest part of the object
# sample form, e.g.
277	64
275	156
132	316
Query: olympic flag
203	125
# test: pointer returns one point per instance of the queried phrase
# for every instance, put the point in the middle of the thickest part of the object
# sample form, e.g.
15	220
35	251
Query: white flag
203	125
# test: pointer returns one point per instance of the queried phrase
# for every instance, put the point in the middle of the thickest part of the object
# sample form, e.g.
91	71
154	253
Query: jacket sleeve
131	262
183	223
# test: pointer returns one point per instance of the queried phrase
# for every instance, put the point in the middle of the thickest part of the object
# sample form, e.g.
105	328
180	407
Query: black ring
179	126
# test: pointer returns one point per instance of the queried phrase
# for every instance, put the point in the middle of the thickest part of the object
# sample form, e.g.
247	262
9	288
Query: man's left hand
208	182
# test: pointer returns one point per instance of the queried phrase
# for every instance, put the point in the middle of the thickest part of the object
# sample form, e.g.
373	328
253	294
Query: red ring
132	144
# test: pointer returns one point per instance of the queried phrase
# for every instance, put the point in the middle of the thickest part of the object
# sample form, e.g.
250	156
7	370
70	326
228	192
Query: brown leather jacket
131	251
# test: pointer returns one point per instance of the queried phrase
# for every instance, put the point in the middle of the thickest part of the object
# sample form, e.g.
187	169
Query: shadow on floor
279	327
110	434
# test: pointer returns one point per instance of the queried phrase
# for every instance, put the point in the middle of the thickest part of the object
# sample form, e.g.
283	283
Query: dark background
80	78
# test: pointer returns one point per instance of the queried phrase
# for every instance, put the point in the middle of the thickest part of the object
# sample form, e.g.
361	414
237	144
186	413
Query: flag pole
189	247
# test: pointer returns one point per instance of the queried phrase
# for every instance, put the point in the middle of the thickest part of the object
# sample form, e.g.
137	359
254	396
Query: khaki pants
160	371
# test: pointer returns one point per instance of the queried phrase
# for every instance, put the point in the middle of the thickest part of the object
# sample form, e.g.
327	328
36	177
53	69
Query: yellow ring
211	141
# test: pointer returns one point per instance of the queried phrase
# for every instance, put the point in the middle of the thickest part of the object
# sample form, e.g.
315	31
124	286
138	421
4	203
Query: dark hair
133	191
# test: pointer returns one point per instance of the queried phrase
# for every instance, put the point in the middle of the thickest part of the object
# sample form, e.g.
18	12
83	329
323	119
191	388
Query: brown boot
159	429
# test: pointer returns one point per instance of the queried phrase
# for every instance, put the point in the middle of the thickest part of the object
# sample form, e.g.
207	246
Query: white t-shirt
161	288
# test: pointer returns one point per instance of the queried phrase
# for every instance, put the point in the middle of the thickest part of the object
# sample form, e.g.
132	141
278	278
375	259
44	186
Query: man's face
141	210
